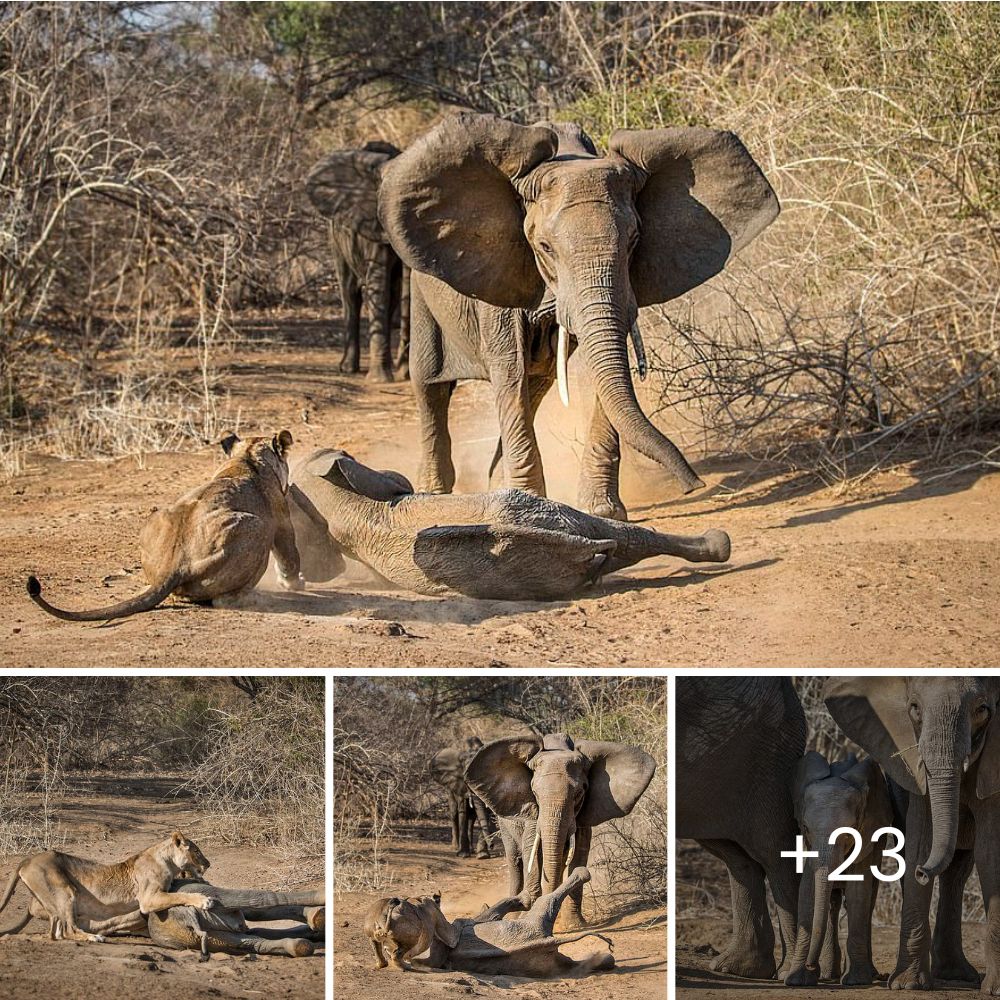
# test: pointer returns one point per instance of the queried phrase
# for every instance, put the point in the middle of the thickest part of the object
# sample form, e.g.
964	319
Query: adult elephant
936	737
447	767
343	187
549	793
524	242
739	740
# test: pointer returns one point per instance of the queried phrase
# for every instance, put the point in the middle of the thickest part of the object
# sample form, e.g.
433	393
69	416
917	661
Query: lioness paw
297	582
207	903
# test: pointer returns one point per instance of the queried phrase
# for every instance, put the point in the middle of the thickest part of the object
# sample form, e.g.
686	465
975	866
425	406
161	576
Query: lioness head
271	453
186	855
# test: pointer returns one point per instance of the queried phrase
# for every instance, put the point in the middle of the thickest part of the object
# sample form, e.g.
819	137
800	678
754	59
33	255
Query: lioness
400	929
214	542
71	889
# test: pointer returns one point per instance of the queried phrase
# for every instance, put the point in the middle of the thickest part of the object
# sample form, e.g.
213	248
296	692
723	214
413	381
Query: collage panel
498	835
162	837
837	831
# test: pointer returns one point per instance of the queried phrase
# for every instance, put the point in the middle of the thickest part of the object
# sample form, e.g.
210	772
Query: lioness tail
145	601
7	893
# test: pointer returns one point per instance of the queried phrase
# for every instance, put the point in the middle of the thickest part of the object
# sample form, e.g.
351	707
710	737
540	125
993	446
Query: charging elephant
936	737
343	187
829	797
506	545
575	244
554	791
447	767
738	742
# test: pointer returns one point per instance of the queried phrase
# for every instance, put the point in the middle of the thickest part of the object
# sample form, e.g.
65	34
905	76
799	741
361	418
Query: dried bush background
151	203
250	751
386	730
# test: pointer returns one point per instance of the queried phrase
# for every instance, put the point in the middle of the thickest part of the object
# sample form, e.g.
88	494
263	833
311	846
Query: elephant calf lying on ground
506	545
416	929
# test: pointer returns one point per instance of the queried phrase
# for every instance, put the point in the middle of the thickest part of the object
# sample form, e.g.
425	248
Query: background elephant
343	187
846	793
576	243
937	738
505	545
447	767
738	742
549	793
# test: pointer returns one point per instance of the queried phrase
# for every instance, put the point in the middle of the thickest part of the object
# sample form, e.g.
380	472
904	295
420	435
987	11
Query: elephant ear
812	767
619	774
872	711
451	210
340	469
446	767
988	771
704	199
343	187
500	776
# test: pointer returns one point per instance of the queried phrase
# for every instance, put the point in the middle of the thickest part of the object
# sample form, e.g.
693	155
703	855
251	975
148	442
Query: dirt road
108	820
904	571
421	866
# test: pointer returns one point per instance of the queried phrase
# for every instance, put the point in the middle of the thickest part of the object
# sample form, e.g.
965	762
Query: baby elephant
416	929
828	796
506	545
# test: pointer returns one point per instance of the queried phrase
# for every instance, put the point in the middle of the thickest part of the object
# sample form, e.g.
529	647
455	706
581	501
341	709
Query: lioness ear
281	443
177	838
229	442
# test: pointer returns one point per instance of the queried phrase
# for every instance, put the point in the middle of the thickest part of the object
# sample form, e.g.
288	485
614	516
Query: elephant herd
499	248
746	789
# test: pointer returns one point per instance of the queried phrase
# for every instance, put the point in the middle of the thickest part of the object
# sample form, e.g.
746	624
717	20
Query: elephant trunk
943	791
554	833
603	335
821	909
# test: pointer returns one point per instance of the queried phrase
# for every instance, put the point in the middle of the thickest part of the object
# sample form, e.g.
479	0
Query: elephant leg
830	959
522	461
784	885
597	489
861	969
232	941
572	918
463	826
750	953
456	836
378	299
485	827
403	347
948	961
913	960
538	386
511	840
437	473
350	296
988	865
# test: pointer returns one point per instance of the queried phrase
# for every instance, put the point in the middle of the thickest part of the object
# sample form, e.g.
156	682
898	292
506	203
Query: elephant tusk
569	855
640	351
534	850
562	363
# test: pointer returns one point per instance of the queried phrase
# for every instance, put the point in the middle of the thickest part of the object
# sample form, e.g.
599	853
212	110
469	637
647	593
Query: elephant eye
915	712
982	712
544	247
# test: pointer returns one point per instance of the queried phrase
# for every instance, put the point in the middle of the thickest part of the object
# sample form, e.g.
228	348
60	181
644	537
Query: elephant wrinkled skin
506	545
936	737
738	742
576	243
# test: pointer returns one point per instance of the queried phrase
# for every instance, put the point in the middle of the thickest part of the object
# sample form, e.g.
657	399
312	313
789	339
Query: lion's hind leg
56	895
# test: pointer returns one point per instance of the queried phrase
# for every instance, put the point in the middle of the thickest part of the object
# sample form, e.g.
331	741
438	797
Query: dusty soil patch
108	820
421	866
902	572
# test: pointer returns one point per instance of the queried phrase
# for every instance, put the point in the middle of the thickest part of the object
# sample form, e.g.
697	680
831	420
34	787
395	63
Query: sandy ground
108	820
704	929
904	571
420	865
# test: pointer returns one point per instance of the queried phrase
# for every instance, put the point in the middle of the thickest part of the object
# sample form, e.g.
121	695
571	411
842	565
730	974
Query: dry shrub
865	320
261	771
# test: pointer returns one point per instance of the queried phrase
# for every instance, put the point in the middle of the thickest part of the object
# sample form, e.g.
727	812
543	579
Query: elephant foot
601	502
801	976
349	366
379	373
483	855
745	966
990	984
863	975
570	922
464	854
955	969
403	372
912	977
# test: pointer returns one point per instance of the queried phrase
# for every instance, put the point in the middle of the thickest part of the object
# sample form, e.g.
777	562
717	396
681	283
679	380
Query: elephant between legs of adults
577	243
738	742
